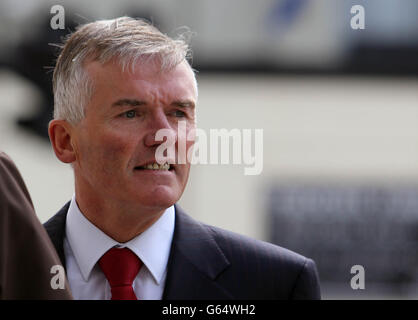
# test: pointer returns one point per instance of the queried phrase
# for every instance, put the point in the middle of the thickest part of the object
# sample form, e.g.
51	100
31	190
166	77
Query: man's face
116	139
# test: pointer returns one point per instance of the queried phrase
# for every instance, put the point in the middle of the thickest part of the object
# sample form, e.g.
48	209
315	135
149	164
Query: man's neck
121	221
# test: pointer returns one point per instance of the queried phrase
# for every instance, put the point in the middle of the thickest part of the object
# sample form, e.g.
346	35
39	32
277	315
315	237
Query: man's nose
160	130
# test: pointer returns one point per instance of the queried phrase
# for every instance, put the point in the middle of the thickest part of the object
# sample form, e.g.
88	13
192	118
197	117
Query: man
117	83
27	255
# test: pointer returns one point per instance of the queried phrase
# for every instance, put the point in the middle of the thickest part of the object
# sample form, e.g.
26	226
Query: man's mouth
155	166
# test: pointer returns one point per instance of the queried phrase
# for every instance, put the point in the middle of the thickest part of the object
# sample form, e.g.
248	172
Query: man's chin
159	200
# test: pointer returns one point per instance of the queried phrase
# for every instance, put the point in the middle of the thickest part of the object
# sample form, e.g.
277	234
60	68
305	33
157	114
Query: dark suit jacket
207	262
26	252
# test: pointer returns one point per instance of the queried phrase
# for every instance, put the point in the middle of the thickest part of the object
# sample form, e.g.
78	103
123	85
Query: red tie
120	266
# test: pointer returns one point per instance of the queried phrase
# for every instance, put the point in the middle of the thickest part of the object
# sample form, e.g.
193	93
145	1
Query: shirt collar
89	243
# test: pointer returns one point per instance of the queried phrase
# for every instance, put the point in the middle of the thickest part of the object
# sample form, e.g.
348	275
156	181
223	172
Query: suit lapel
195	262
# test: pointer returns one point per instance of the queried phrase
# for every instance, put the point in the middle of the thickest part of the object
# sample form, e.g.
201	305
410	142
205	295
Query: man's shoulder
271	270
57	221
231	242
241	248
55	228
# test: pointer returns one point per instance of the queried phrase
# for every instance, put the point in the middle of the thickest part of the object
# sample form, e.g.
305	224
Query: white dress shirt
84	244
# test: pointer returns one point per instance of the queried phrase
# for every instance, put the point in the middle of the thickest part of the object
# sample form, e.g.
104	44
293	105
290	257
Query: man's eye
179	114
130	114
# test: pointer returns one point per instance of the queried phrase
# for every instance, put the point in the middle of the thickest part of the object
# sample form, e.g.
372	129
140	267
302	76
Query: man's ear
60	134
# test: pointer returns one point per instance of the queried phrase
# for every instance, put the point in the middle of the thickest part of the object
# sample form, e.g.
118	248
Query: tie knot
120	266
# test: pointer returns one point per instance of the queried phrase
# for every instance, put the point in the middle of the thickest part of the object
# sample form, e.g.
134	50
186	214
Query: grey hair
126	39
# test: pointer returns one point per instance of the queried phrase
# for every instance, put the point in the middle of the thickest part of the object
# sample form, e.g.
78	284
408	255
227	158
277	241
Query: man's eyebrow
183	103
128	102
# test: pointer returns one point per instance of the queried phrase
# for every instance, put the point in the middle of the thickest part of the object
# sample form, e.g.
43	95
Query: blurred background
338	106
